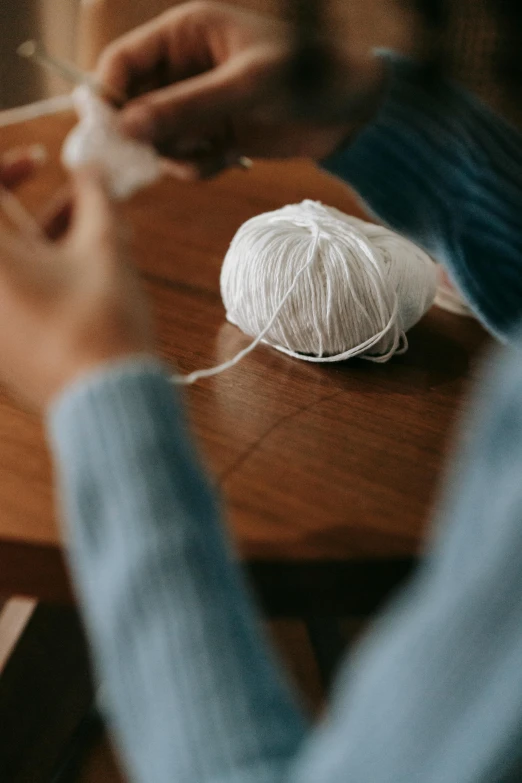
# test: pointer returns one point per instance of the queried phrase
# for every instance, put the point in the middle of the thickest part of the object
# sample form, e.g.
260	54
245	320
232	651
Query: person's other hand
19	164
207	83
70	305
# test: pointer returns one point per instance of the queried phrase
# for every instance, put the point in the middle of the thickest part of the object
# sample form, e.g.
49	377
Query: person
191	689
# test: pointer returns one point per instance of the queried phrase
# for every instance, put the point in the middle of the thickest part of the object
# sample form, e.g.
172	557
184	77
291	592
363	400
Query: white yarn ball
129	165
323	286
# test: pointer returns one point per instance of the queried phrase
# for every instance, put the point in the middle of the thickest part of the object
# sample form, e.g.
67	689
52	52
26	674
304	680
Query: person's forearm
433	695
192	691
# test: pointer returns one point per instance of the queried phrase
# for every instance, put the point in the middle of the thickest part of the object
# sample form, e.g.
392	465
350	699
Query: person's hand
19	164
208	82
68	306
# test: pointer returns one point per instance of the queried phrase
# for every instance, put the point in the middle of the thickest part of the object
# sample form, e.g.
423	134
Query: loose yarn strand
192	377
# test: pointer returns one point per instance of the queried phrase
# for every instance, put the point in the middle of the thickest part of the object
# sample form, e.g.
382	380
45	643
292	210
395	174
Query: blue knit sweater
442	169
434	695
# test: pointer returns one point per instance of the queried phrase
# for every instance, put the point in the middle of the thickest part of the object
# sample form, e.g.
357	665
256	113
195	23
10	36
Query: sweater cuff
114	423
107	373
117	384
96	399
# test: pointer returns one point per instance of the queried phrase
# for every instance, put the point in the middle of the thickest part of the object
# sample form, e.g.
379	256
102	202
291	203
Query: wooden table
328	473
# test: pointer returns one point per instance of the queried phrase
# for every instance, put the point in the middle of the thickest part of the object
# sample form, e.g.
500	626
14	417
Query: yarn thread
357	292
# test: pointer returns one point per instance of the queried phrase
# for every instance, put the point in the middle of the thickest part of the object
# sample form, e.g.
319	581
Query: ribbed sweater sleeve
441	168
190	688
189	683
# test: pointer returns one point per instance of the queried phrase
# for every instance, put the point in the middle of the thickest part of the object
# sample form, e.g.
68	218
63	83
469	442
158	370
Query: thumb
93	215
204	99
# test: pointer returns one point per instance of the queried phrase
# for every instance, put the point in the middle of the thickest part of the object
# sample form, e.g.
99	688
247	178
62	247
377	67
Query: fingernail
20	154
244	163
38	153
241	161
137	122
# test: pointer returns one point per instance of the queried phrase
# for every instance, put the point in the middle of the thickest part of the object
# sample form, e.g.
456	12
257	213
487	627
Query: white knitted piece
129	165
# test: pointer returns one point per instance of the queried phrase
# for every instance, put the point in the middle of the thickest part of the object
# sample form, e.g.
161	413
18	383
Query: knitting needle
32	50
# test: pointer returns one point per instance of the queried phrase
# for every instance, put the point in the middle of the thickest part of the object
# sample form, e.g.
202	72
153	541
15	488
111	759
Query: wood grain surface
316	464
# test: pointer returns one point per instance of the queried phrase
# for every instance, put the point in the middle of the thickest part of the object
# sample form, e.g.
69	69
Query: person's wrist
367	109
83	372
341	137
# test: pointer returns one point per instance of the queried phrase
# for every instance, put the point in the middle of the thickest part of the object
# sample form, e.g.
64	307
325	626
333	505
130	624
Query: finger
204	166
170	37
18	165
17	255
56	218
18	216
184	170
93	219
193	170
206	99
